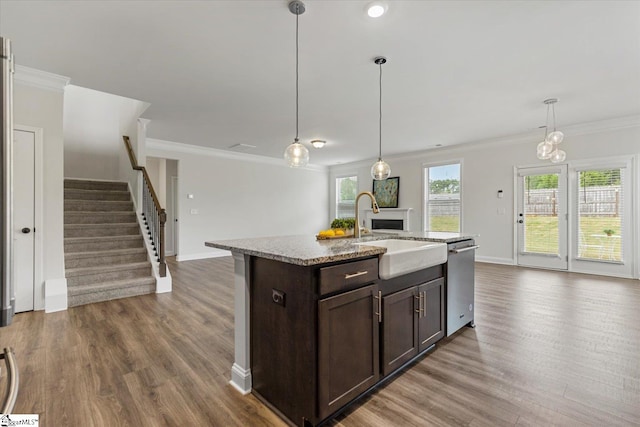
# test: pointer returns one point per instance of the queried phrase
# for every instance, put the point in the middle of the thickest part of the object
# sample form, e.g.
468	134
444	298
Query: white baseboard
495	260
55	295
217	253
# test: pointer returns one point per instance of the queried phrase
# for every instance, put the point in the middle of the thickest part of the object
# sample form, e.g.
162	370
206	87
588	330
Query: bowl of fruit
340	228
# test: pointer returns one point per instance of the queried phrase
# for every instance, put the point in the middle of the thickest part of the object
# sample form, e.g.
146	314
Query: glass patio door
541	217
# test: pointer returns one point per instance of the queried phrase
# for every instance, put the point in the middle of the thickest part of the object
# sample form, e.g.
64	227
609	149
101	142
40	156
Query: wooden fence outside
593	201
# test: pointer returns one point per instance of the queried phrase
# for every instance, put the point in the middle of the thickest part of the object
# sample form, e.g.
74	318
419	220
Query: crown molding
178	147
617	123
40	79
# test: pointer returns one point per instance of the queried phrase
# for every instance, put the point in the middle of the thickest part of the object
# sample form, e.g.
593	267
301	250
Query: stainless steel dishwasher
460	274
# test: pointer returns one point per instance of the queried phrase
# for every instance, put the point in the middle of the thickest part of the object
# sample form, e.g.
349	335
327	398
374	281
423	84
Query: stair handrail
154	215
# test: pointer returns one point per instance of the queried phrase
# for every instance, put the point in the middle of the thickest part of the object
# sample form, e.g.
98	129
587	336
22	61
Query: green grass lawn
542	237
444	223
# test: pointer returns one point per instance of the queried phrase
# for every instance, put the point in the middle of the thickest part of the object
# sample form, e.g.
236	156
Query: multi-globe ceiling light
548	148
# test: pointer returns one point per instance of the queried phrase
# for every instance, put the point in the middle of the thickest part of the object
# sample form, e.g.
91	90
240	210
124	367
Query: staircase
105	256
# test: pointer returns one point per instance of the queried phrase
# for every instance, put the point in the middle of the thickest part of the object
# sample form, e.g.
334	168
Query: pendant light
548	148
380	169
296	154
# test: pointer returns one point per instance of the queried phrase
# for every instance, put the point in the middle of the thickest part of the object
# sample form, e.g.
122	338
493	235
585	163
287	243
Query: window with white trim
442	189
601	222
346	192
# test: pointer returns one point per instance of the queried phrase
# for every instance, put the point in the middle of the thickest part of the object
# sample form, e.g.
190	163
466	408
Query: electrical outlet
278	297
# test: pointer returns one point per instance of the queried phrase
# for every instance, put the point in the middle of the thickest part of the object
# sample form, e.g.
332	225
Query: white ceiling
219	73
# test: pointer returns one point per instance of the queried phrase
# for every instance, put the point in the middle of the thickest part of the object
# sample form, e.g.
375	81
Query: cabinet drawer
348	275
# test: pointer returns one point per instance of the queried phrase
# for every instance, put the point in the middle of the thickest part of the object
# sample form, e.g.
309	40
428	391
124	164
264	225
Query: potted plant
608	232
345	224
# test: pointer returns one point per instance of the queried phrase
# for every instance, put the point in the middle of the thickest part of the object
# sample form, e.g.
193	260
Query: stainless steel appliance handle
12	381
468	248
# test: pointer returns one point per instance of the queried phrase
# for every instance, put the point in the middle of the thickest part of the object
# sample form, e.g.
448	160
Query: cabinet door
431	313
348	359
399	329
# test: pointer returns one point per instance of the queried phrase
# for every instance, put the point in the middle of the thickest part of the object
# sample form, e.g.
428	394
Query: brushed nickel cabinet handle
379	313
352	275
419	298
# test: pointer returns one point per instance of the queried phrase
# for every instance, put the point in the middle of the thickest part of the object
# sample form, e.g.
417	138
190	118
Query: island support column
241	369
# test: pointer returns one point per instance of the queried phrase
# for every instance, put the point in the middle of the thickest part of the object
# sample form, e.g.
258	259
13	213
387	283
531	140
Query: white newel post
241	369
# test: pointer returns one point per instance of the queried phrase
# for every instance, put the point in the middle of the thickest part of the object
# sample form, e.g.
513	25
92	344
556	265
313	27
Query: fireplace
388	219
387	224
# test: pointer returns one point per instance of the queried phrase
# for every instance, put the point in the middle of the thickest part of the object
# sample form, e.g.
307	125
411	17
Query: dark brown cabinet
347	346
322	335
413	320
431	318
314	335
399	329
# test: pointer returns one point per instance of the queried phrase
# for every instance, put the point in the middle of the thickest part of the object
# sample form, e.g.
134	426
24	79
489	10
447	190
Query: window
600	214
346	192
442	197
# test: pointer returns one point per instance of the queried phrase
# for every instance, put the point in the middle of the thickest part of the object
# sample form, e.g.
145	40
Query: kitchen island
307	316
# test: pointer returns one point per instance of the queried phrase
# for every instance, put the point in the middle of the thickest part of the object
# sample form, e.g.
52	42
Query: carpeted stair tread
105	257
107	291
105	225
91	254
102	238
82	194
95	185
114	284
94	217
101	230
97	205
83	271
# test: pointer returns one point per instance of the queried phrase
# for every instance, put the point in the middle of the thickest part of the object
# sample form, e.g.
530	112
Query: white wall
94	123
43	108
238	195
487	168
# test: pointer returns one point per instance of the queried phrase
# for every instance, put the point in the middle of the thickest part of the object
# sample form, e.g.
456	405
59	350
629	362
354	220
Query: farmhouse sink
407	256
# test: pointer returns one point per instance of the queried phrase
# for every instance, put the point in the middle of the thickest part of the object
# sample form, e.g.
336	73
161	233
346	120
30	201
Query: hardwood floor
549	349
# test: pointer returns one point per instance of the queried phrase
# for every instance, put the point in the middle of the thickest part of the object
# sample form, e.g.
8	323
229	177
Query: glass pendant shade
545	148
558	156
555	137
380	170
296	155
548	149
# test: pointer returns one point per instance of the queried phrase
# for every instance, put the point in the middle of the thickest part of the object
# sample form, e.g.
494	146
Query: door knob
520	221
26	230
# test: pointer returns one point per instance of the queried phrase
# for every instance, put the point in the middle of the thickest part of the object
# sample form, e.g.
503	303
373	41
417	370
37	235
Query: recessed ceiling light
318	143
376	9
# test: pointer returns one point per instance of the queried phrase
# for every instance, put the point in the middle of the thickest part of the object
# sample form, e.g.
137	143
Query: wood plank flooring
549	349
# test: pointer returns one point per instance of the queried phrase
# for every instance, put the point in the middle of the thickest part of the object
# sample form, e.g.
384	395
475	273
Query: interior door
541	217
173	221
24	218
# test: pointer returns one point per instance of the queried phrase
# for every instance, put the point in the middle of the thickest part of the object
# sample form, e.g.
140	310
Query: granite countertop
433	236
300	250
306	250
